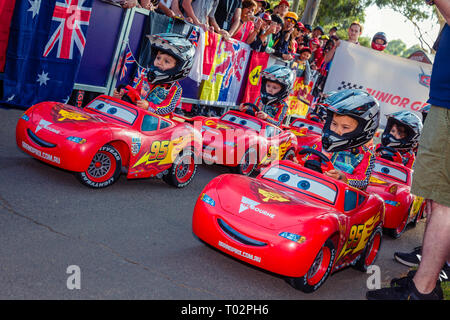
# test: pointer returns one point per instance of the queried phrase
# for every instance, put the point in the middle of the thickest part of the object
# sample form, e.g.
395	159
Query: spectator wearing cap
307	34
317	32
281	45
332	31
228	14
263	32
282	8
317	56
247	24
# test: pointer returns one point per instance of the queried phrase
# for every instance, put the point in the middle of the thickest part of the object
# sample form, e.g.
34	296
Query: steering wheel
131	94
389	153
322	165
253	109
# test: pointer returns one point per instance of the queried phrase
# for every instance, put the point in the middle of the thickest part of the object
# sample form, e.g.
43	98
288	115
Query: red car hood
264	205
217	128
65	120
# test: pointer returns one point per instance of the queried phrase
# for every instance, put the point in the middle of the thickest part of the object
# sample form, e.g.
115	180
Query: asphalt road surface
132	240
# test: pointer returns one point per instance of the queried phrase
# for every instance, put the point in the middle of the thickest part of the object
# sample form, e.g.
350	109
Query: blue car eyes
100	106
112	110
243	122
304	185
385	170
284	177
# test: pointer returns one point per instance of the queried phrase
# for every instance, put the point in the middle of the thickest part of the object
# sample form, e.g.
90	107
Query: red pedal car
244	142
292	221
108	134
392	181
308	132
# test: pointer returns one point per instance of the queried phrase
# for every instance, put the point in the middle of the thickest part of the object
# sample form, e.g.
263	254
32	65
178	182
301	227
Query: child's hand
142	104
117	94
336	174
261	115
242	107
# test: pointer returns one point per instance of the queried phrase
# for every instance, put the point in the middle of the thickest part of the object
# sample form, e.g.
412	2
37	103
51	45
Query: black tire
370	252
248	162
104	169
397	232
319	270
182	170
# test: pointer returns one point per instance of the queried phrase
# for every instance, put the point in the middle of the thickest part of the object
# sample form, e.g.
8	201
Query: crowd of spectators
277	31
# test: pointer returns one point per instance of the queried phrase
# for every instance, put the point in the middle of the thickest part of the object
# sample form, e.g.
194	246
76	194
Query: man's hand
261	115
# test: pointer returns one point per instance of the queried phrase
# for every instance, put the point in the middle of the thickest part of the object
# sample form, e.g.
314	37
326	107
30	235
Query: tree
396	47
413	10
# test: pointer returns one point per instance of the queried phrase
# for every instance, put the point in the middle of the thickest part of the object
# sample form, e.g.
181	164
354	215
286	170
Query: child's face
305	55
273	88
164	61
343	124
398	132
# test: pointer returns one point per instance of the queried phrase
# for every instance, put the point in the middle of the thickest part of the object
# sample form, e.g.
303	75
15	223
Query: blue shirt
440	76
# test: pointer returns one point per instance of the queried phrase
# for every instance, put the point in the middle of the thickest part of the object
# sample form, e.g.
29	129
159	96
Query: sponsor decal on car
239	252
44	124
249	204
40	153
271	196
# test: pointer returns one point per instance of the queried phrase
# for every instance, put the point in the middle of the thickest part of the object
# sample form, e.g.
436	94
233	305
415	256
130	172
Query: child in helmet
402	132
171	60
379	41
276	84
351	122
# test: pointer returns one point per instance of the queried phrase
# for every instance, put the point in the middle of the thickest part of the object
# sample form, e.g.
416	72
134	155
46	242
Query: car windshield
242	121
392	172
310	127
303	183
114	110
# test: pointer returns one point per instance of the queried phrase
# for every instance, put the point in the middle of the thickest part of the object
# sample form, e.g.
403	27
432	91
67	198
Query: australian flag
46	43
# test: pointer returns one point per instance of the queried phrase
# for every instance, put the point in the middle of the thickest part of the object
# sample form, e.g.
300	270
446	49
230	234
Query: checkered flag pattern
349	85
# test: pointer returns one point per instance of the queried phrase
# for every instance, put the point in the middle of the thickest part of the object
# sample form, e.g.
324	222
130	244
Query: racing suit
276	112
357	164
162	98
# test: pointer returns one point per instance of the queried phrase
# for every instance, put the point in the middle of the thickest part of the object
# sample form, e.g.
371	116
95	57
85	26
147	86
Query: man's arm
444	8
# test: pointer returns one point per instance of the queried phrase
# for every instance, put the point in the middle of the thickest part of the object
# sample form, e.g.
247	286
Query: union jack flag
194	36
140	75
127	60
70	16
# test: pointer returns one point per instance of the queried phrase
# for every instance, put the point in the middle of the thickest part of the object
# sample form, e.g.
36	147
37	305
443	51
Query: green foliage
396	47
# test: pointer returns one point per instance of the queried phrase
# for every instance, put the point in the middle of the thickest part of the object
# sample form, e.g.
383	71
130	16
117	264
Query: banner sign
397	83
300	98
227	72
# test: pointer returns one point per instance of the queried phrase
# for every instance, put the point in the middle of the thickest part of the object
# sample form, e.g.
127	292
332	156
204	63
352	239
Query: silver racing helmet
359	105
176	46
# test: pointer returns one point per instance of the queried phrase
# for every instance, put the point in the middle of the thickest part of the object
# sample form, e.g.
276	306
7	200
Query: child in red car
351	122
402	133
276	84
171	60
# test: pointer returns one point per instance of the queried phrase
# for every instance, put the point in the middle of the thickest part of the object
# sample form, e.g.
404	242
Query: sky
396	26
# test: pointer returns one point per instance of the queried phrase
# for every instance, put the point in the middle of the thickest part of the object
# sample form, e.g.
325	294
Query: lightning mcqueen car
292	221
108	134
308	132
244	142
392	181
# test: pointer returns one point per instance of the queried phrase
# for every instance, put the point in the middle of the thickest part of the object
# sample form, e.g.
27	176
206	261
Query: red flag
212	40
6	12
258	62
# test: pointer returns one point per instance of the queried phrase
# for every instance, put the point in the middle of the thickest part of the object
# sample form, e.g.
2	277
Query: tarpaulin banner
6	12
300	98
258	62
397	83
227	73
46	43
